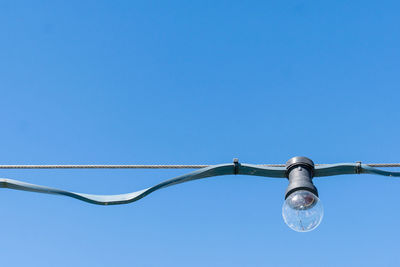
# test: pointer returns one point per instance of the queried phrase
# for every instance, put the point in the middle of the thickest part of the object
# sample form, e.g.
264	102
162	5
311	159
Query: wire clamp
236	166
358	167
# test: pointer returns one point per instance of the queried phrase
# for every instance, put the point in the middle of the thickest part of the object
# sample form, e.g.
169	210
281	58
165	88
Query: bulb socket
300	171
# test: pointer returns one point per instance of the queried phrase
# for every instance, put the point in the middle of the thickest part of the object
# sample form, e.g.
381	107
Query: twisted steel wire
198	166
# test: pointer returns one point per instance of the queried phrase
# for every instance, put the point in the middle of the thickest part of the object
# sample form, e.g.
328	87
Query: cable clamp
358	167
236	165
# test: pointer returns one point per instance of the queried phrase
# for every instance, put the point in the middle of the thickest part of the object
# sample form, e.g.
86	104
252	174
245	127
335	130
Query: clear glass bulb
302	211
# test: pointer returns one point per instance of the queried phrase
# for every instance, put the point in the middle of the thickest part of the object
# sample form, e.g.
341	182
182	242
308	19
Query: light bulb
302	211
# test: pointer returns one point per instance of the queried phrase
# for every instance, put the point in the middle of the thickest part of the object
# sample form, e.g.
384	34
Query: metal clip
236	166
358	167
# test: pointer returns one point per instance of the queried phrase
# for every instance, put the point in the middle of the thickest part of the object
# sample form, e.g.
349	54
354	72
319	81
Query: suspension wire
381	165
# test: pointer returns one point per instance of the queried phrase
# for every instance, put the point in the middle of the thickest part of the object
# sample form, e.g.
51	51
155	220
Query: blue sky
197	82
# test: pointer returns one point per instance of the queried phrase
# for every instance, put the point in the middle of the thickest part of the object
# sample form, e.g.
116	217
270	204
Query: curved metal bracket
216	170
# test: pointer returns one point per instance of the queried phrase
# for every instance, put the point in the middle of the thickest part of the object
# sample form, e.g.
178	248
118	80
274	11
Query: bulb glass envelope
302	211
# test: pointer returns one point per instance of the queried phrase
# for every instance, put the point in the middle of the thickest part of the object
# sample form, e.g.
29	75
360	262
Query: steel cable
163	166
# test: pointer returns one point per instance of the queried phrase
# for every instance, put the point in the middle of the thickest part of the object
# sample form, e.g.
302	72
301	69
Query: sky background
198	82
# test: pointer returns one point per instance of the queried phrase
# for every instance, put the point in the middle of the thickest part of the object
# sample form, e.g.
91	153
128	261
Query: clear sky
198	82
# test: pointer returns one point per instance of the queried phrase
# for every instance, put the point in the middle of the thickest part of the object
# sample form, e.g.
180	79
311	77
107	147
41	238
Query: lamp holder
300	172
